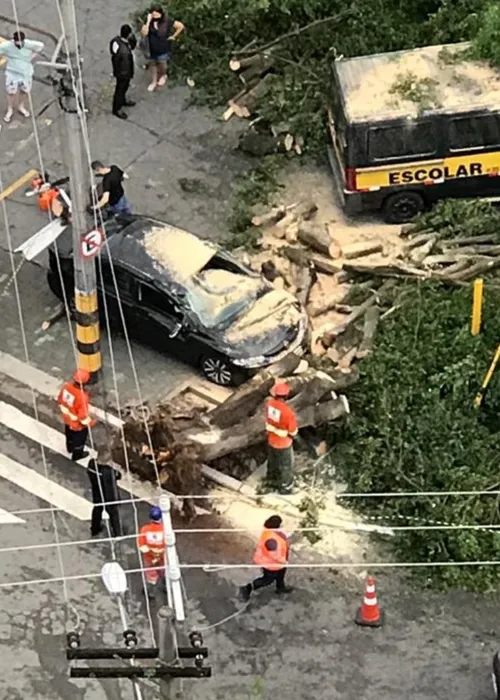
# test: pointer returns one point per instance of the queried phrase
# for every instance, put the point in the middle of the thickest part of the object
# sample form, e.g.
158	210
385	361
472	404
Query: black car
189	298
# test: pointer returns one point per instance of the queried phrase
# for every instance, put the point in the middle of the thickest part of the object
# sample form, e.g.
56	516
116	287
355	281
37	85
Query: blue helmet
155	514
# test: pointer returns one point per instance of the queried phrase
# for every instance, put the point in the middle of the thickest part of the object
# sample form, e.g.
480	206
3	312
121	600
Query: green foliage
486	44
413	427
216	29
311	505
257	186
461	217
421	91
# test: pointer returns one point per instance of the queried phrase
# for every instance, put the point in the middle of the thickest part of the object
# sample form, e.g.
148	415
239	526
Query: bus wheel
402	207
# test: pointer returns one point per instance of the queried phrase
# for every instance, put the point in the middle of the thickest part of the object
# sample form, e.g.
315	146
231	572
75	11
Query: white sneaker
8	116
23	111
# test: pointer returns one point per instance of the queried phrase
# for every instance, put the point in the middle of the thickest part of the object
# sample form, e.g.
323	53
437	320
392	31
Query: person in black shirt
113	194
158	29
103	478
122	59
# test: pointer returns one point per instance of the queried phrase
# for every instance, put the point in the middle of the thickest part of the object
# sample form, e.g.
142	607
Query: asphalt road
433	647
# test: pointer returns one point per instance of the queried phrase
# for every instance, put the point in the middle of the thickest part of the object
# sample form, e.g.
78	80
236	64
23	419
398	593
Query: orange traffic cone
369	614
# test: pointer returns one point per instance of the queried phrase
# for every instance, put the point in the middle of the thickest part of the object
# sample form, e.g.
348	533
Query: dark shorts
162	58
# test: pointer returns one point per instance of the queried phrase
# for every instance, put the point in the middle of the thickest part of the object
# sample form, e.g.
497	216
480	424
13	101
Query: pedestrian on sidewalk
281	428
20	53
272	554
103	477
113	194
161	31
73	402
122	59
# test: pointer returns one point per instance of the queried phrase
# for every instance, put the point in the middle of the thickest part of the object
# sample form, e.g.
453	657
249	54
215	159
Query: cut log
343	308
477	269
315	237
417	241
330	336
322	264
387	269
305	210
312	389
291	234
280	228
372	317
245	400
419	254
303	278
457	267
214	443
252	96
269	218
259	63
347	359
333	354
406	230
279	283
334	250
296	255
484	249
359	250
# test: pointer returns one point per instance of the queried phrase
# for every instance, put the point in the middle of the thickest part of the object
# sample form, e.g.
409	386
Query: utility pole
72	103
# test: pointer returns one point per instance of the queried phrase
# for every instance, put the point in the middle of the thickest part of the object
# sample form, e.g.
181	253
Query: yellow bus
409	128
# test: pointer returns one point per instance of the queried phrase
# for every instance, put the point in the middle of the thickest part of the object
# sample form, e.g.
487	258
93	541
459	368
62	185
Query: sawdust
277	308
177	251
214	291
451	85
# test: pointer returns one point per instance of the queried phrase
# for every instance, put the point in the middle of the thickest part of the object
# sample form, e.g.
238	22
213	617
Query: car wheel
402	207
218	370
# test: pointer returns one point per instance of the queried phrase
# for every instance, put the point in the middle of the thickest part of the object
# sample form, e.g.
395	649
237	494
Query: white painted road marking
20	422
45	384
9	519
38	485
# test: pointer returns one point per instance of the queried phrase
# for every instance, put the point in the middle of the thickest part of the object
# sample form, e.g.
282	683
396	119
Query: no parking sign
91	243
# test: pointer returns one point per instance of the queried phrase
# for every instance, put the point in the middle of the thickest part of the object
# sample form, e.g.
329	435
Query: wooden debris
392	268
359	250
419	254
292	232
346	360
371	320
270	217
303	278
315	237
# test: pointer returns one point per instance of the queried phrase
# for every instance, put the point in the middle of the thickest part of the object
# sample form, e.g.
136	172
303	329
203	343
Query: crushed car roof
160	251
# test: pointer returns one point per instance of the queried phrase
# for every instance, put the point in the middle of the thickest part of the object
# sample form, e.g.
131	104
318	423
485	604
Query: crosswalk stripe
20	422
38	485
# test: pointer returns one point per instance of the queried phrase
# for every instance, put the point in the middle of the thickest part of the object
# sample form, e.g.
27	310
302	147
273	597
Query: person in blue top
161	30
19	53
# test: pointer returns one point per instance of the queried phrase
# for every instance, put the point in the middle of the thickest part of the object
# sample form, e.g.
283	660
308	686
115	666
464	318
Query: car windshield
219	296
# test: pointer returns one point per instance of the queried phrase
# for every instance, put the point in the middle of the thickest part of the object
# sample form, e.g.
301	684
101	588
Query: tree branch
296	32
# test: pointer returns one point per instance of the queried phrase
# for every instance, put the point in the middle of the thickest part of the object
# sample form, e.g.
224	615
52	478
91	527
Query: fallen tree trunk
270	217
417	241
248	397
477	269
419	254
470	240
392	269
317	385
214	443
329	267
316	238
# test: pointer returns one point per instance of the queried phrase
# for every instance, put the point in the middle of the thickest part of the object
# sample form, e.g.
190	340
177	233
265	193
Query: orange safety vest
74	405
281	424
272	560
151	540
45	199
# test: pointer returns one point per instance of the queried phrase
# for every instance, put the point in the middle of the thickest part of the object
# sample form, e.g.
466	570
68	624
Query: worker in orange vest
281	428
151	543
272	553
73	402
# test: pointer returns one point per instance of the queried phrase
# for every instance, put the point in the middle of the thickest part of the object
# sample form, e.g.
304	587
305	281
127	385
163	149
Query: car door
117	285
161	321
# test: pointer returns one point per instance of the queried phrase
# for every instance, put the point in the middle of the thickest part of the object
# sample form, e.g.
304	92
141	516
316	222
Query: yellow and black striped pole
88	332
71	101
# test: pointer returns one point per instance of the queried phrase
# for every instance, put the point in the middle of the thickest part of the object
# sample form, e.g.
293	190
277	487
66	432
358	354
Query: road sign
91	242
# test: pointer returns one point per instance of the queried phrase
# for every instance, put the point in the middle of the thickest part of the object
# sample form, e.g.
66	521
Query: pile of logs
183	441
426	255
257	74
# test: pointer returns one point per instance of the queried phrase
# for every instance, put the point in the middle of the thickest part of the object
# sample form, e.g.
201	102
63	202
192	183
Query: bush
461	217
414	428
